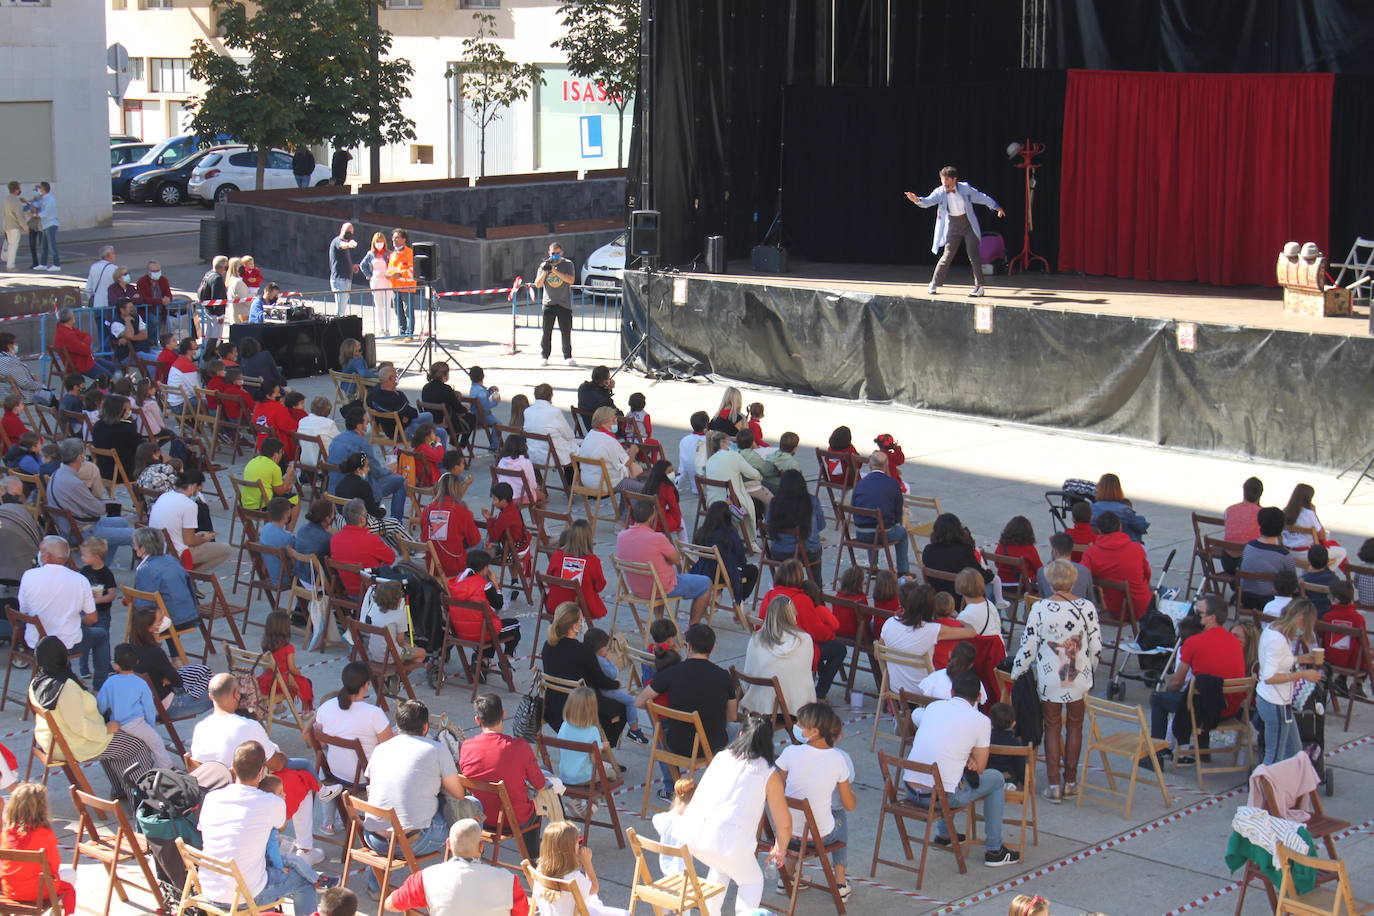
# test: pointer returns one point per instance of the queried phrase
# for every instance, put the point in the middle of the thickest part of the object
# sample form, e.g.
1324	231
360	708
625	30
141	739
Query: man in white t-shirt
217	738
236	823
62	600
954	736
178	513
542	417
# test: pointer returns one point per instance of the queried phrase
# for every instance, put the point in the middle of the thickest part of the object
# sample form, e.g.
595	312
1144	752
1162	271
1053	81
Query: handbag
529	714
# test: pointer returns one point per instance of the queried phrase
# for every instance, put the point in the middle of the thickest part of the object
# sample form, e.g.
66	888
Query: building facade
53	93
566	124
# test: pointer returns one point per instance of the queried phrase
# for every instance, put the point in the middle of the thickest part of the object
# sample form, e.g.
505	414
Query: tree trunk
482	153
262	166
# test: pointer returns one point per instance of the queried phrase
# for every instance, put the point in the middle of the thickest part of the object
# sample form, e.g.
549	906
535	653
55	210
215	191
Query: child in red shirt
755	427
895	457
1343	651
1082	531
840	468
271	419
276	640
28	828
1018	540
429	454
12	423
505	518
292	401
166	356
851	588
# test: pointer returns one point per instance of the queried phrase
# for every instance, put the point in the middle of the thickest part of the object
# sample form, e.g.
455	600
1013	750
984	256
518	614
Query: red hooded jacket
815	619
467	623
1119	559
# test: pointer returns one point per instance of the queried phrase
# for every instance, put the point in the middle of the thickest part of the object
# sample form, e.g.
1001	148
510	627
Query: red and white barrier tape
31	315
511	290
243	299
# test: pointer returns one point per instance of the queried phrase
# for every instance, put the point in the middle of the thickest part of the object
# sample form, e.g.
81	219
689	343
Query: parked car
606	265
124	138
221	173
164	155
124	153
168	186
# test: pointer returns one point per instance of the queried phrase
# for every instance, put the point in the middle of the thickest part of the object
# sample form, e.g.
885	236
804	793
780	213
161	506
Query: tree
490	82
601	39
300	71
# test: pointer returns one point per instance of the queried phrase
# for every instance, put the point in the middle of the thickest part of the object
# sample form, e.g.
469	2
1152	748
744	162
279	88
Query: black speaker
644	233
425	266
715	254
769	259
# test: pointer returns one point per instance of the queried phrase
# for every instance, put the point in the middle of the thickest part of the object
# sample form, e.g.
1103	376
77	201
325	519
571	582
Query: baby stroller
1309	709
1156	642
167	806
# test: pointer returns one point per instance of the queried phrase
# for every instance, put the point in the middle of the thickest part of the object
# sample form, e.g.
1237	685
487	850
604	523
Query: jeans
631	711
1163	703
116	531
1281	739
832	660
897	536
393	485
690	586
105	621
302	181
840	834
1062	745
104	368
342	294
429	839
404	303
304	897
50	252
426	417
96	640
991	789
183	704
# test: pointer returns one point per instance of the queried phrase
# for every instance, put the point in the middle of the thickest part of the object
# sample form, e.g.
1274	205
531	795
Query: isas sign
587	91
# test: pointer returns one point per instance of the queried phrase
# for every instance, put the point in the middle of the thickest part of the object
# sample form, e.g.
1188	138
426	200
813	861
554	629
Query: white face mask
155	274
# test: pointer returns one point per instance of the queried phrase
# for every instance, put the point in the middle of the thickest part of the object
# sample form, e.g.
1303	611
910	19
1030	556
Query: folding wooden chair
1123	620
315	594
49	902
218	607
655	604
807	843
1024	794
479	415
704	499
251	664
601	789
313	476
237	428
59	366
506	826
678	764
781	715
1332	897
847	519
165	720
172	634
1132	742
387	429
897	805
721	597
1357	676
543	515
831	463
119	477
870	620
592	495
353	782
124	846
551	469
474	669
1199	558
886	695
1020	593
925	505
546	584
275	591
1238	725
340	379
20	657
208	466
425	553
541	883
582	421
390	667
259	514
1215	579
57	755
399	855
672	893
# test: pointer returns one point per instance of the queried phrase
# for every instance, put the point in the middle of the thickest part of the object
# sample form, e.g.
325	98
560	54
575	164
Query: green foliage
300	71
601	39
489	81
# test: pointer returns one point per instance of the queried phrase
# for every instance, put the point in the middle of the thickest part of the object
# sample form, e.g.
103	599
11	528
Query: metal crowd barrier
595	308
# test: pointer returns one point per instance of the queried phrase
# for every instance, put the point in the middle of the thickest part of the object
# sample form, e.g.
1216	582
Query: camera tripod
424	357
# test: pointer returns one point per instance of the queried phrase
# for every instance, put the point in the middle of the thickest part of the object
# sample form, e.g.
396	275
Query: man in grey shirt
1061	546
66	490
410	773
556	277
1266	556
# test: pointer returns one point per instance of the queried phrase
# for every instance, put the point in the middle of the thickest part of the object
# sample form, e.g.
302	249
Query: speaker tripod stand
425	356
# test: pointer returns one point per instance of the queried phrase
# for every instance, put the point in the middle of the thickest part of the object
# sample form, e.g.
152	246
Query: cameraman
556	278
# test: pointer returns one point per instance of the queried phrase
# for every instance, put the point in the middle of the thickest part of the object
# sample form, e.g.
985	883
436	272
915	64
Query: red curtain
1192	176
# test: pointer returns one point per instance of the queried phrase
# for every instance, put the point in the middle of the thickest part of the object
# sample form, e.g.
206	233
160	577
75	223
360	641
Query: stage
1220	370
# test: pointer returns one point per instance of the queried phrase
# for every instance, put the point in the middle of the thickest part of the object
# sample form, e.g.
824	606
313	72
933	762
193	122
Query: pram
167	807
1156	642
1309	709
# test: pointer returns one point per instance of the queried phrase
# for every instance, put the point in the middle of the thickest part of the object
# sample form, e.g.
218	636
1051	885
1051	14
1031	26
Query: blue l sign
591	136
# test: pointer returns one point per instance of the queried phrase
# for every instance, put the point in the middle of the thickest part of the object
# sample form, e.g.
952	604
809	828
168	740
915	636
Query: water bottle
770	872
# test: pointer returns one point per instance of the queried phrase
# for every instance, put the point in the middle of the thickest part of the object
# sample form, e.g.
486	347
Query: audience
1062	548
67	490
600	444
914	632
413	775
61	599
640	543
813	617
356	544
1242	522
448	524
28	828
687	466
816	770
595	393
878	491
159	573
779	649
1264	556
1214	653
353	440
576	559
1116	557
457	417
463	884
543	418
565	656
725	465
1302	528
795	513
178	513
950	550
1278	673
1109	497
492	756
717	529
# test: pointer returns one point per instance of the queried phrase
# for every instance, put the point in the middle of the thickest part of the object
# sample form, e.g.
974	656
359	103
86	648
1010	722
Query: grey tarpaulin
1280	395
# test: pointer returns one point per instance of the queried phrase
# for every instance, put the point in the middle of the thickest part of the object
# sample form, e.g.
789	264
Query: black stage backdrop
852	152
1352	179
1212	36
1107	374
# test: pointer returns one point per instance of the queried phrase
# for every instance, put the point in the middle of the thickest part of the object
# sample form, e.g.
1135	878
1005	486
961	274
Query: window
244	160
276	160
480	4
119	4
404	4
154	4
421	154
169	74
136	68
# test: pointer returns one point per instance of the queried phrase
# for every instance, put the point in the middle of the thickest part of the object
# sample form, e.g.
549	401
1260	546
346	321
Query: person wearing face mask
373	266
269	296
155	293
401	269
341	268
815	769
45	208
121	288
556	278
13	370
127	330
565	655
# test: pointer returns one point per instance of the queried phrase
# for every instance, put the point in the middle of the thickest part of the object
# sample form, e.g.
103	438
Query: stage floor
1243	306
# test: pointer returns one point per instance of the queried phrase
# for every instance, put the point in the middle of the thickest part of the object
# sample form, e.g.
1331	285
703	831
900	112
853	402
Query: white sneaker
330	792
544	361
571	361
313	856
39	267
977	291
933	289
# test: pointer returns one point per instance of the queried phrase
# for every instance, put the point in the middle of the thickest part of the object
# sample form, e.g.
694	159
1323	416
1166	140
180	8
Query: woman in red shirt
1018	540
27	828
659	482
577	559
812	616
449	525
429	454
840	468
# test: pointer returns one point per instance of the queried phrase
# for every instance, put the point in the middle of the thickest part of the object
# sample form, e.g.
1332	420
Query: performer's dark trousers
960	232
564	317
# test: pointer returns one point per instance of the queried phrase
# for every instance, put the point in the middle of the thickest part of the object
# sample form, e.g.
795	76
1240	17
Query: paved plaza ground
1166	858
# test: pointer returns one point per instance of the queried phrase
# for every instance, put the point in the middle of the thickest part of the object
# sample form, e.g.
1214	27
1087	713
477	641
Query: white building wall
52	100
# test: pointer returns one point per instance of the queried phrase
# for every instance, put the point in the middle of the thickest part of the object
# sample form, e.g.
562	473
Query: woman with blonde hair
1279	646
1029	905
238	290
781	649
373	266
562	856
565	656
730	413
726	464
